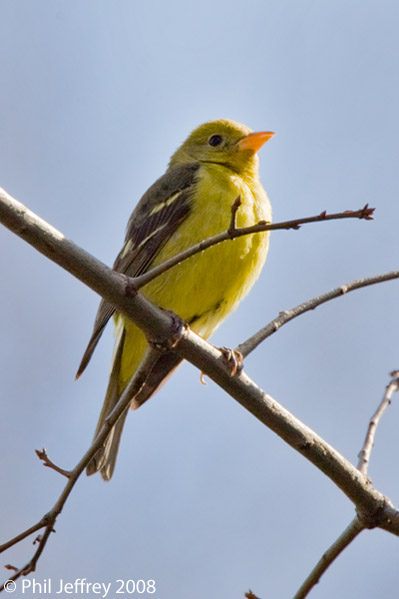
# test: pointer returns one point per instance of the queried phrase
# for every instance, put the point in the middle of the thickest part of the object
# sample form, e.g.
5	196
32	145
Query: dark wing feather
161	210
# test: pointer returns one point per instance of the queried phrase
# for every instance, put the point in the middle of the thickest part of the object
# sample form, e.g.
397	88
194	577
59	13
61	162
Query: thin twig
42	455
234	209
354	528
23	535
273	326
364	213
364	454
48	521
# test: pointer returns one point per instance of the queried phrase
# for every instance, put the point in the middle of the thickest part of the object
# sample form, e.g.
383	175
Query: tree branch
233	232
273	326
355	527
23	535
115	288
365	453
42	455
372	507
48	521
350	533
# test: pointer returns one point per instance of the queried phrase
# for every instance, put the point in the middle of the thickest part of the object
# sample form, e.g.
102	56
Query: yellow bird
192	201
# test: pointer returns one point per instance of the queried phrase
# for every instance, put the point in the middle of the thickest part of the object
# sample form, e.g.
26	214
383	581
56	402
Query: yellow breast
204	289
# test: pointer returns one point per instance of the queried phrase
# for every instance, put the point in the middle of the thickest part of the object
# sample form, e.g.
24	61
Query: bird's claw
178	327
234	359
202	378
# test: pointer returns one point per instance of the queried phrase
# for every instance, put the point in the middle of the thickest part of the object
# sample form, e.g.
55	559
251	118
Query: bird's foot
177	329
234	359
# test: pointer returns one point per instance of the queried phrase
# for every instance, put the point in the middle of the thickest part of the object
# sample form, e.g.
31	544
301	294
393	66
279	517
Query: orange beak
254	141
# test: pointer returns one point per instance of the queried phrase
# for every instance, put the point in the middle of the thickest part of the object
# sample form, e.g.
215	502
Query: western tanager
192	201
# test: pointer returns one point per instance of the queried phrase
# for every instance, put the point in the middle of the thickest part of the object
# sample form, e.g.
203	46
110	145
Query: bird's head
223	142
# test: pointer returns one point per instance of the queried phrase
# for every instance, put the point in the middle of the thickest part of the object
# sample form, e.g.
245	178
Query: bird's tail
105	458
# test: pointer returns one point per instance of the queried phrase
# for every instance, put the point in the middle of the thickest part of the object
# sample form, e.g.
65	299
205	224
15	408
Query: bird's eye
215	140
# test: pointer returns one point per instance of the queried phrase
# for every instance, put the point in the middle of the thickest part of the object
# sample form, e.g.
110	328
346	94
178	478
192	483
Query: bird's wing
161	210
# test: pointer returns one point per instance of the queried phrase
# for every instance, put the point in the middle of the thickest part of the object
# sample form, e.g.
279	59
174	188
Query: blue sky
205	500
